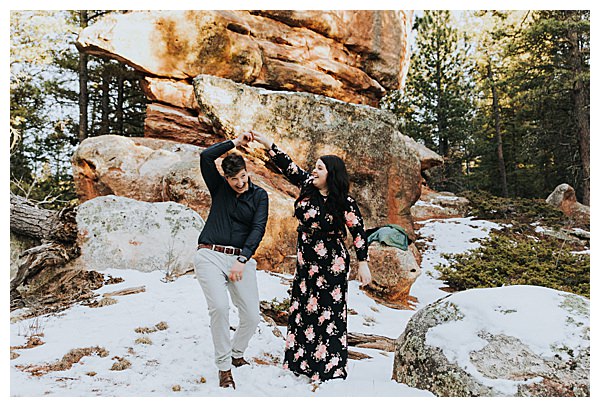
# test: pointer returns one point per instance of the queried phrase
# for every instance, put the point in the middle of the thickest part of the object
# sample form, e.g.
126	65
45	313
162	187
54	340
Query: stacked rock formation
309	79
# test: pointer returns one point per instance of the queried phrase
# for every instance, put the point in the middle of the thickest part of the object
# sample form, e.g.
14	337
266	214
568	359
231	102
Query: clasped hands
248	136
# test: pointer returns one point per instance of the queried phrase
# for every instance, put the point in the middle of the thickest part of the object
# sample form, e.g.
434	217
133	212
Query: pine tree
436	106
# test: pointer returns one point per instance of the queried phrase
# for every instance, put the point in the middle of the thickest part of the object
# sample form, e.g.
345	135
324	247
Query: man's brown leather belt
222	249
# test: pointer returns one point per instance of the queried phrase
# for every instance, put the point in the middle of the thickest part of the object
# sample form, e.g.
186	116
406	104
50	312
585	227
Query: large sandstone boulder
350	55
507	341
564	198
122	233
384	166
439	205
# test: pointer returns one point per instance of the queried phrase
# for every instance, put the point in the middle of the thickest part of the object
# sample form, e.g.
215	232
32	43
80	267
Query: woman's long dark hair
338	185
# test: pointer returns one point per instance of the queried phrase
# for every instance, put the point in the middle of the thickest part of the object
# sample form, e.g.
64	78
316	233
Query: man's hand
236	271
364	274
262	139
243	139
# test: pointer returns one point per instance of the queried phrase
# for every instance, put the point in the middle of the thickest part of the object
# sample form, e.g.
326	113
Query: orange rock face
351	55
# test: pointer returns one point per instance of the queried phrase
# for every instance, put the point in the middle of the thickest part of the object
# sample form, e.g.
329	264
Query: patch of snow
428	204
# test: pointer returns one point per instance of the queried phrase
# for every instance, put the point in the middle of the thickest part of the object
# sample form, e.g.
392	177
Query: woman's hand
262	139
243	139
364	274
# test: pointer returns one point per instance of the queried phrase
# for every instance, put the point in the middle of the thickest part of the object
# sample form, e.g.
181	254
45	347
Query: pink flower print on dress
293	168
336	294
328	367
294	306
311	213
335	360
304	365
272	153
300	258
343	340
331	328
320	249
285	366
351	219
298	318
290	341
338	265
315	377
303	287
309	333
321	351
359	242
313	269
338	373
324	316
312	304
320	281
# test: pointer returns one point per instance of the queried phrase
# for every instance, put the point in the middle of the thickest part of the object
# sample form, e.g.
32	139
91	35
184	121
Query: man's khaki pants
212	270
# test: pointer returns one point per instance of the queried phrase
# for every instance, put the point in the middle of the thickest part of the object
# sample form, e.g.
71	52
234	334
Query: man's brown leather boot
226	379
237	362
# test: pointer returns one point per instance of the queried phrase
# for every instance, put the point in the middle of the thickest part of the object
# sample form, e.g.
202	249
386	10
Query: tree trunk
83	80
105	102
498	134
120	100
582	112
57	231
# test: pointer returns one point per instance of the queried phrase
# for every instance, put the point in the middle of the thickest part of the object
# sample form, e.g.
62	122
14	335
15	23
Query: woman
316	343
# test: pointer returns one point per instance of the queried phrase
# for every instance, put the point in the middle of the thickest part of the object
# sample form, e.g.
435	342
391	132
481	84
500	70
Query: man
234	228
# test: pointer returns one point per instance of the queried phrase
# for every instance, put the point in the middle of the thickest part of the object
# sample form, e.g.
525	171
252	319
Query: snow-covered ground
181	356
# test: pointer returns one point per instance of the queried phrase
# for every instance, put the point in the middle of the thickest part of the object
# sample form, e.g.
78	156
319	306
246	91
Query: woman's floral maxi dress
316	344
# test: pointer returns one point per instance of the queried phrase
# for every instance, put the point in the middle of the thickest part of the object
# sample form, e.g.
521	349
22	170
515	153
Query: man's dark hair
232	164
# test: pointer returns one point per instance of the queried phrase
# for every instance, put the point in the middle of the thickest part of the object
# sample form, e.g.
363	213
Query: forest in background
503	96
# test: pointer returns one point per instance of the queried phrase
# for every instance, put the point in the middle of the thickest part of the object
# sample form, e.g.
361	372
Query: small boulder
393	273
564	198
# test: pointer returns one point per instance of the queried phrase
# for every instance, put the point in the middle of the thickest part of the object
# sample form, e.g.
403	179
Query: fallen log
57	232
361	340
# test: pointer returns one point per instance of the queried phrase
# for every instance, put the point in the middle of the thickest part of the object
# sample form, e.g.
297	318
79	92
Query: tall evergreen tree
551	76
436	106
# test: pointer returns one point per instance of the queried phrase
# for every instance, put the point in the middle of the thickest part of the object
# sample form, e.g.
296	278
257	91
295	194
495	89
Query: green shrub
511	258
484	205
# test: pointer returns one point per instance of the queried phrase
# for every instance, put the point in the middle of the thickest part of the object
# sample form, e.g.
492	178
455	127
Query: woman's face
319	174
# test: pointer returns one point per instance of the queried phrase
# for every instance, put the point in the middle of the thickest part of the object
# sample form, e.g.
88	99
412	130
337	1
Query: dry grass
120	364
144	340
67	361
161	326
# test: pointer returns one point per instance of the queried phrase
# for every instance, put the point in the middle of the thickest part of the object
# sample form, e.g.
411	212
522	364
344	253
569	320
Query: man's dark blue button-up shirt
232	221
